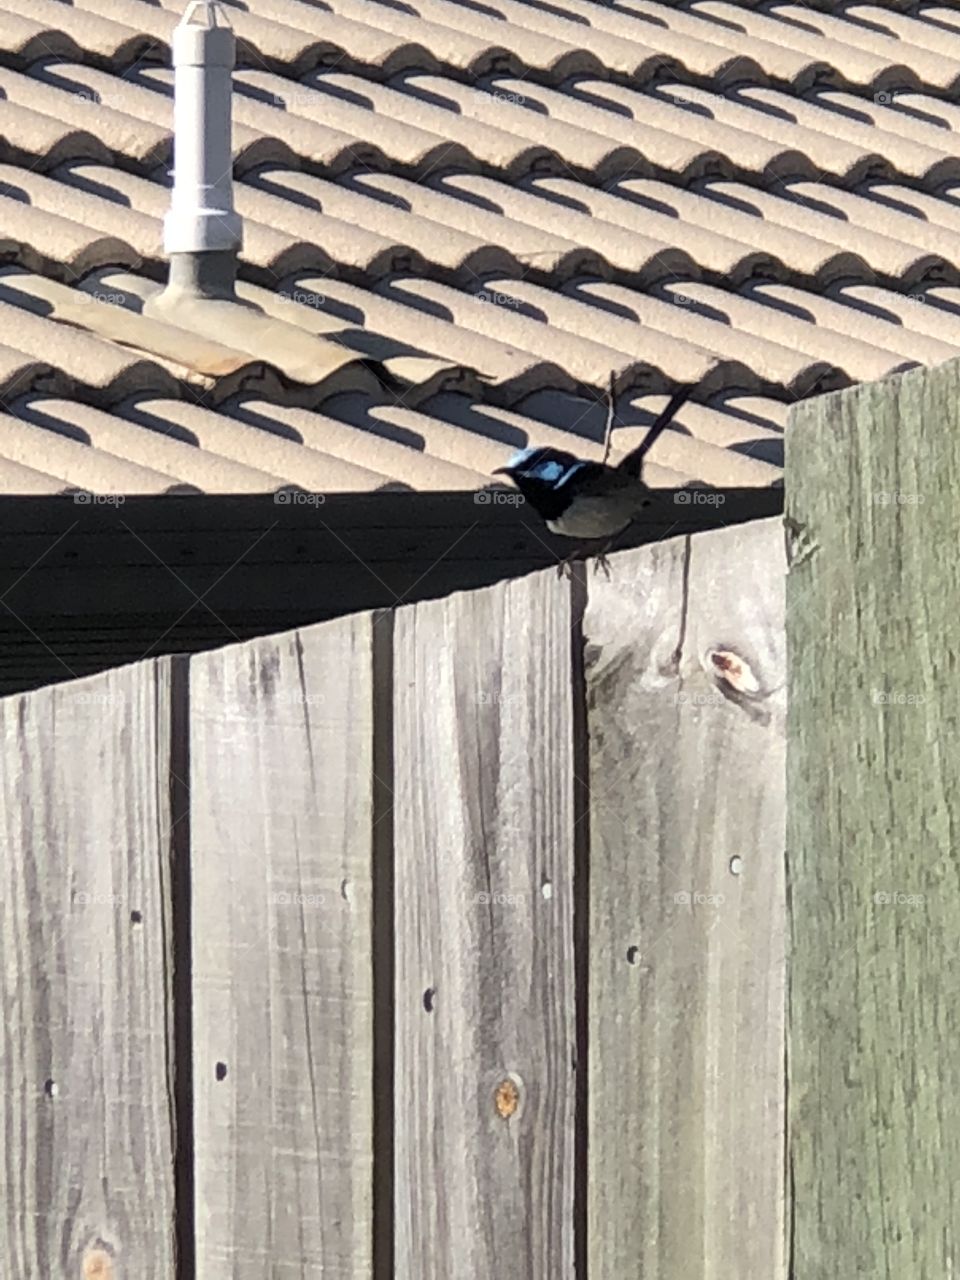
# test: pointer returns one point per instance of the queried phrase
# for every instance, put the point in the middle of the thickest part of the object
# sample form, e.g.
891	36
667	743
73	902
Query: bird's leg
583	553
600	561
601	557
580	553
565	566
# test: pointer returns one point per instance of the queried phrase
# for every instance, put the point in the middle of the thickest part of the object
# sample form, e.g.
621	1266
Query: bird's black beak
500	471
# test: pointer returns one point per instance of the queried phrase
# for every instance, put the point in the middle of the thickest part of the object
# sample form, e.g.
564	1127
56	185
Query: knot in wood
507	1098
97	1264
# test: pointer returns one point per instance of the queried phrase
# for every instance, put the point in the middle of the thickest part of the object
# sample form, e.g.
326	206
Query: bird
588	500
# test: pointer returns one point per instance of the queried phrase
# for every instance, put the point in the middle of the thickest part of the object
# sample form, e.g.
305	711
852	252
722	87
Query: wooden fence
874	829
444	942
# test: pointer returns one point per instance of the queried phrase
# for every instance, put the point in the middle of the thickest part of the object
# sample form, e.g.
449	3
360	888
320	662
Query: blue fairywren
588	500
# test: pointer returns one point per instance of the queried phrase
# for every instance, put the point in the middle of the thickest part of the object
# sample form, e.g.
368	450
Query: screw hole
547	889
136	917
633	955
428	998
221	1071
736	866
50	1088
343	890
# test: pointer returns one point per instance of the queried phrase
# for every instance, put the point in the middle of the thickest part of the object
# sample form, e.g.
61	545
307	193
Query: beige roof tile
458	220
914	314
39	141
24	481
504	365
61	450
247	434
689	27
594	345
715	237
666	333
923	154
452	124
467	39
941	18
24	40
138	15
141	234
910	315
493	434
56	94
45	242
857	26
242	342
693	46
262	41
106	40
104	371
551	418
637	39
829	142
910	30
322	35
857	58
394	461
464	236
543	40
816	326
930	126
668	137
158	448
937	241
886	255
364	233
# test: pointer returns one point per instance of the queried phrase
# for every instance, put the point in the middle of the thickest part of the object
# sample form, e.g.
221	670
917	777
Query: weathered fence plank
281	813
685	679
485	981
874	798
86	1123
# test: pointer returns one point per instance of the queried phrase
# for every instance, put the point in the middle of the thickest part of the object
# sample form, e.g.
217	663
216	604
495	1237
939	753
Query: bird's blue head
542	477
543	468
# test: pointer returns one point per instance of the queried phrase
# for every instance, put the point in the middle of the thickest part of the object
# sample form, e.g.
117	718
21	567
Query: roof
475	211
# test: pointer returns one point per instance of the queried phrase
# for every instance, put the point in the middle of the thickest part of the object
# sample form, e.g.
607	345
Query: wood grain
873	829
685	679
281	816
485	981
86	1125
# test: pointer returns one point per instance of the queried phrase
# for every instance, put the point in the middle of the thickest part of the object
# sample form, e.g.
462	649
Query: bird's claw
565	566
601	562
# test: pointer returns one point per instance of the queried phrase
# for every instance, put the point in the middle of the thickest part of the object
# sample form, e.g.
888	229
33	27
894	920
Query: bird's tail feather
632	464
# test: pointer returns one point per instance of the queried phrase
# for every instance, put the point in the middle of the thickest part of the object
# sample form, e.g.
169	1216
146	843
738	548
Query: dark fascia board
87	583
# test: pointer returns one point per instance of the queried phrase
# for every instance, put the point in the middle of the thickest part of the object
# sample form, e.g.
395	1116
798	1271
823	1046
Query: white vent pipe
202	231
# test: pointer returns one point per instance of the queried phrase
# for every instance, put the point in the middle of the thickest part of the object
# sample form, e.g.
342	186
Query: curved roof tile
458	220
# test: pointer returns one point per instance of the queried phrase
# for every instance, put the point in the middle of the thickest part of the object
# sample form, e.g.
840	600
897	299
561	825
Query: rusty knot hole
98	1263
734	671
507	1098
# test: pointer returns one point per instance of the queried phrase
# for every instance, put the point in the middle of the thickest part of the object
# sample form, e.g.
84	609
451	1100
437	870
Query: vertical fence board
485	981
685	675
86	1124
281	812
873	826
